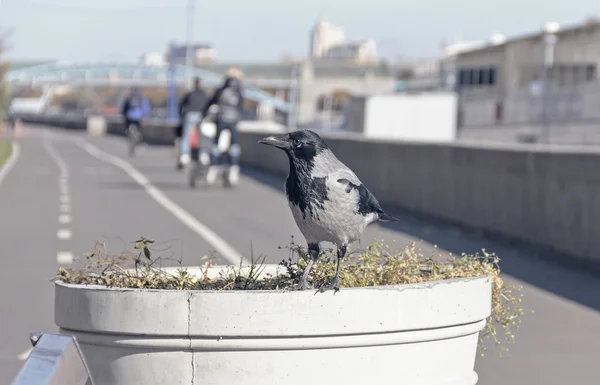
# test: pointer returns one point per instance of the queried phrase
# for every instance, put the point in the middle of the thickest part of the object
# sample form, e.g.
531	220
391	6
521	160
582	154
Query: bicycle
135	137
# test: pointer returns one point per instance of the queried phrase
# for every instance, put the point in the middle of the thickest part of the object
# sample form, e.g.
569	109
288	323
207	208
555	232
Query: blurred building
153	59
201	52
328	42
325	36
507	81
438	73
354	51
427	116
320	87
421	75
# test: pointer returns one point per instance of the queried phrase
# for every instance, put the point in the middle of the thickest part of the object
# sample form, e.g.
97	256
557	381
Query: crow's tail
383	217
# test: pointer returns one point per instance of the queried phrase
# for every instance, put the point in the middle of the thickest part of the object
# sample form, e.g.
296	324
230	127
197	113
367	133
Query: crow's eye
297	142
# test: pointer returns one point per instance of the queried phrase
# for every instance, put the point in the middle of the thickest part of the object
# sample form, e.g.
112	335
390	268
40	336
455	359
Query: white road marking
64	219
63	186
64	257
23	356
10	163
62	166
220	245
63	234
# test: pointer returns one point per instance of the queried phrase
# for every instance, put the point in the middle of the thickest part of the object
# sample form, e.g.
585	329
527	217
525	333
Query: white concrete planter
409	334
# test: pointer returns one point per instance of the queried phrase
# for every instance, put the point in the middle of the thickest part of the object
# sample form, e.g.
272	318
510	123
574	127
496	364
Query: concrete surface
543	195
358	335
556	345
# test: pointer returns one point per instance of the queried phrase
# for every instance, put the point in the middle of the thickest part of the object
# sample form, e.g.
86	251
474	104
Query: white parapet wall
429	116
545	195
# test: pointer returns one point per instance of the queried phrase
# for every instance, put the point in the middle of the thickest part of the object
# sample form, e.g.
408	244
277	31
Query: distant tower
323	37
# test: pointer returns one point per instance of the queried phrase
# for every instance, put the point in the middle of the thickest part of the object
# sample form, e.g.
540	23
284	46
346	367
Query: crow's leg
313	254
335	284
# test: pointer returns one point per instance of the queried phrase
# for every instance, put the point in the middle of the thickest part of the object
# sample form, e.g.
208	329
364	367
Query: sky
265	30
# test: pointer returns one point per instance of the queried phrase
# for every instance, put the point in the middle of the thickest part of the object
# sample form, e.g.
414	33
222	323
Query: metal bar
172	100
189	53
55	360
292	96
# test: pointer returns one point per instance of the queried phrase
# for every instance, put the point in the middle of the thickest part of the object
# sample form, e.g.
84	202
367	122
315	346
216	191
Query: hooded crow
328	201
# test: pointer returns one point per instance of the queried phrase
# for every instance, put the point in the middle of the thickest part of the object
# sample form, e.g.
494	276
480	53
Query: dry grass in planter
375	266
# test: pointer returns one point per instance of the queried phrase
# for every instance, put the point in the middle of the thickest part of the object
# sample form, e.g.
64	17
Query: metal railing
55	359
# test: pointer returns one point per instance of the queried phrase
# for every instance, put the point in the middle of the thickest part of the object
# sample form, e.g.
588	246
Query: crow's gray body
333	219
328	201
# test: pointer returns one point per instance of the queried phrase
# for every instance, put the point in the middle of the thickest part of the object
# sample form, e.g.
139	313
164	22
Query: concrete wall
584	133
567	105
547	197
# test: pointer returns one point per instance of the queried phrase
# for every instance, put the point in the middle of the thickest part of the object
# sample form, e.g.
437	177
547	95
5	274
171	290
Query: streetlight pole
550	40
292	98
188	49
172	114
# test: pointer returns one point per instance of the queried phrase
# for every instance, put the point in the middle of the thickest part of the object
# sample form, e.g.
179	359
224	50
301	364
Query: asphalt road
67	190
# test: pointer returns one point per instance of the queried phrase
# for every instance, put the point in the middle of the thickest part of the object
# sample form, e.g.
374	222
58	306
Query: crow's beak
279	141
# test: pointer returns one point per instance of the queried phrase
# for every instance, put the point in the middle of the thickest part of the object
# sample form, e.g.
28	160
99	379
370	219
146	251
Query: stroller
223	153
199	156
200	165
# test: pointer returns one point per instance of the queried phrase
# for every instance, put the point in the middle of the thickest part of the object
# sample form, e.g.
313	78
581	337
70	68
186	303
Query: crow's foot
334	285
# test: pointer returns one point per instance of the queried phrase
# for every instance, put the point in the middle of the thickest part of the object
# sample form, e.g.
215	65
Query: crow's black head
299	145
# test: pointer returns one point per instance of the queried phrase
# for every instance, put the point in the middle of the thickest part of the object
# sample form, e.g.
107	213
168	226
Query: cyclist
190	109
229	100
135	109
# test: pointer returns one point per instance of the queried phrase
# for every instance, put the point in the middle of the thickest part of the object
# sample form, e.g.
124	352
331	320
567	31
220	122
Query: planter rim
262	313
203	342
400	287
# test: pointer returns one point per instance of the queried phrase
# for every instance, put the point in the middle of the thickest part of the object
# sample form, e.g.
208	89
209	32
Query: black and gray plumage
328	201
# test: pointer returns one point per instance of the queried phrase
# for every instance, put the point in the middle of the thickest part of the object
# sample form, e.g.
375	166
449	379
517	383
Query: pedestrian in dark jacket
191	111
230	100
